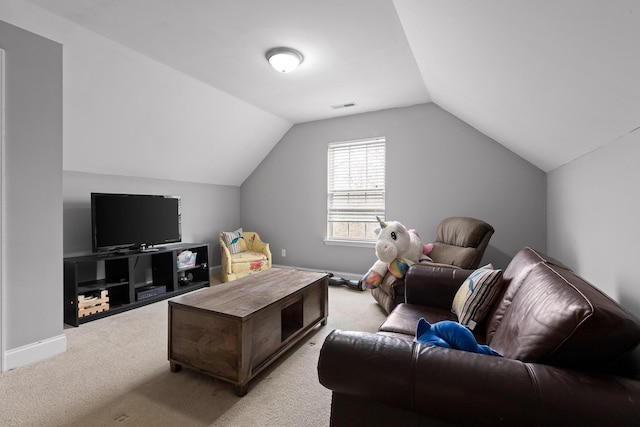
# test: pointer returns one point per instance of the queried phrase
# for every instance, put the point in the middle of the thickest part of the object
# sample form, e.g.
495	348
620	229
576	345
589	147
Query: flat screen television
133	221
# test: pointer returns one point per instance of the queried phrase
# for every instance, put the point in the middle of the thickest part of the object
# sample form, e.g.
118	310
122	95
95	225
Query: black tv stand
101	284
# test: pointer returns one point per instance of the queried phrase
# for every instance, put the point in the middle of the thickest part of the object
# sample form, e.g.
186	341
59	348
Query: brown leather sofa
460	243
570	357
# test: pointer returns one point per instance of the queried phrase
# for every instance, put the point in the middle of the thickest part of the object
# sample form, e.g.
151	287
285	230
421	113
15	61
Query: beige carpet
115	372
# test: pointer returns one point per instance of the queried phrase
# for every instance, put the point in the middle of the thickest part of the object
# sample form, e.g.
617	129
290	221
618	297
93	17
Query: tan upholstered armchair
243	254
460	243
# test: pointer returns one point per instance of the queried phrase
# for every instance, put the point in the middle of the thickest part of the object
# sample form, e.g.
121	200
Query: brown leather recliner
460	242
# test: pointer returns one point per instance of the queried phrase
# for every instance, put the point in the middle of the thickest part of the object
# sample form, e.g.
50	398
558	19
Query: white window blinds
356	182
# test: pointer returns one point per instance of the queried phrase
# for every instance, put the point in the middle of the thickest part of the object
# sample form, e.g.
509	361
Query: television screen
134	220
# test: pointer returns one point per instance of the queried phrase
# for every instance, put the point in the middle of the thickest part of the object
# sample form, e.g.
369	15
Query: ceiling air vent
338	106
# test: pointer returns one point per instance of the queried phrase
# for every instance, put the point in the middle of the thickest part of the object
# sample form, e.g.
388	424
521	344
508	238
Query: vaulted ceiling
549	80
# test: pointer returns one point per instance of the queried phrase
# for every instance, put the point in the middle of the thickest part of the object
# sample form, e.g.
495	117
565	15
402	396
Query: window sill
352	243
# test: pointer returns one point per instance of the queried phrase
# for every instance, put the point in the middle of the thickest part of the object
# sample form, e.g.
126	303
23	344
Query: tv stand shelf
96	285
131	280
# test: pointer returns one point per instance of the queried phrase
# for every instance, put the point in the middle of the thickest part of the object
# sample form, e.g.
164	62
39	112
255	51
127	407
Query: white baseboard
34	352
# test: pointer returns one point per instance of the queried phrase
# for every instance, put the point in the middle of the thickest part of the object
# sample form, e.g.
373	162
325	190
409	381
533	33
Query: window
355	189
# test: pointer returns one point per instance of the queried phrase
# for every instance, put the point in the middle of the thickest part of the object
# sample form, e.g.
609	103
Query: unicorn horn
382	223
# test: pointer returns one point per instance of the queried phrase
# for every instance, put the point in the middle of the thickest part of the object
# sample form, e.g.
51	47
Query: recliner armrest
433	285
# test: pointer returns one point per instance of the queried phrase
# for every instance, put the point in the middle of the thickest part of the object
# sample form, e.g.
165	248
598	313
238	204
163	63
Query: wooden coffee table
234	330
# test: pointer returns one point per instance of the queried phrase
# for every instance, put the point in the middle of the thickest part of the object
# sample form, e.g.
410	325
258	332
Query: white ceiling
551	80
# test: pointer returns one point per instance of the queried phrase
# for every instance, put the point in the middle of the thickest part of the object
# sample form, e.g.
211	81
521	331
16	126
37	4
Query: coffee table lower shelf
235	330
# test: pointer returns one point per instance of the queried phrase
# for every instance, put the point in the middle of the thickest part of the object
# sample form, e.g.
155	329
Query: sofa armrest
261	247
469	389
367	365
225	262
255	244
267	252
571	397
433	285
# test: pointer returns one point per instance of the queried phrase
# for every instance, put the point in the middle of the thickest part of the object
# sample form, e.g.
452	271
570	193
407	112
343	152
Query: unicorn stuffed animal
396	249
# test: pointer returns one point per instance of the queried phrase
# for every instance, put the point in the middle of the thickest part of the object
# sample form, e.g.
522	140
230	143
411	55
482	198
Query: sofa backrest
551	315
512	278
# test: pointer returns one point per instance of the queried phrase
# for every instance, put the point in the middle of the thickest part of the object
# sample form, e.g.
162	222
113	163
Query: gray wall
437	166
593	217
206	209
33	183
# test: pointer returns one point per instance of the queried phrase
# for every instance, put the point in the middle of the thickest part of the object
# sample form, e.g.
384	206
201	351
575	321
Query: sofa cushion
248	256
476	296
513	276
557	318
403	320
248	262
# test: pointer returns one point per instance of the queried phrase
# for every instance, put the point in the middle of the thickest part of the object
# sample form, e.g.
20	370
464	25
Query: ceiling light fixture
284	59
